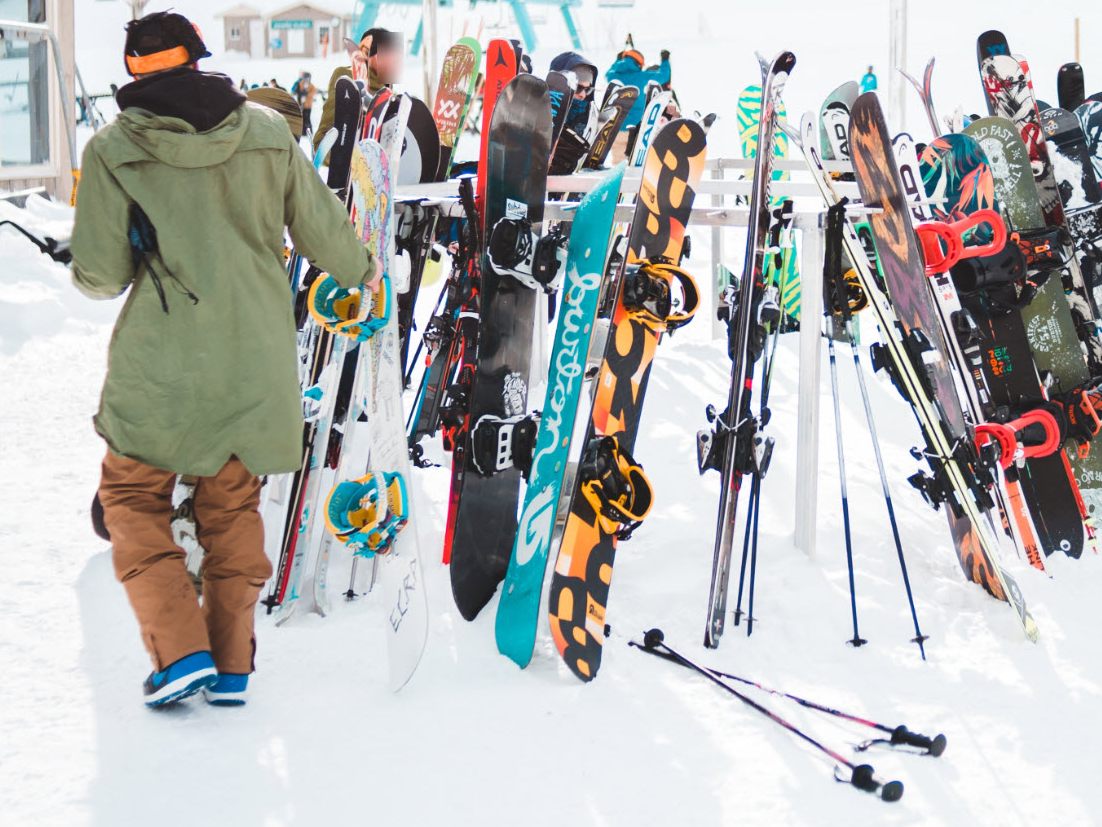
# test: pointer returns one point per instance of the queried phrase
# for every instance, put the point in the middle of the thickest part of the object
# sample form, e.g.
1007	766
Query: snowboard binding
344	312
534	260
648	294
1036	433
499	443
368	513
615	487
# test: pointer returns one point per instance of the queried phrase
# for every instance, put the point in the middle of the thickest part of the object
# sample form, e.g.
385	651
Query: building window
24	90
235	32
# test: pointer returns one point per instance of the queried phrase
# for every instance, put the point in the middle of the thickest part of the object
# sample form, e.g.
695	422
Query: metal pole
897	56
807	416
1077	40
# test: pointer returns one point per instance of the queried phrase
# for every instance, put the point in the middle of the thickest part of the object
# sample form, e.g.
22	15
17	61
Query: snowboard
1069	86
560	90
420	144
1050	325
583	567
1010	95
1072	163
958	179
1090	119
518	609
609	120
458	76
930	385
400	579
518	152
501	67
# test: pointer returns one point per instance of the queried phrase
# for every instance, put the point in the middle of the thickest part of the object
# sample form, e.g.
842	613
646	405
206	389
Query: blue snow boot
228	690
180	680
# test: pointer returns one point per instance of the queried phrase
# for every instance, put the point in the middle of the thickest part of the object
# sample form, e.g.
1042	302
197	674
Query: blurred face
387	63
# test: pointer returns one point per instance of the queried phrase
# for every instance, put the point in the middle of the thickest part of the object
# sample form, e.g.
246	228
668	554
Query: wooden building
37	97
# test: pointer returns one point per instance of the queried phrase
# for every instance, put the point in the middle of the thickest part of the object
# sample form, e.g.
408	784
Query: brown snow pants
137	508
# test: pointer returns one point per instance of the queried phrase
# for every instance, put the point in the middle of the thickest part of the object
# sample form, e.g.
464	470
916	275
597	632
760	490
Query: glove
665	55
569	152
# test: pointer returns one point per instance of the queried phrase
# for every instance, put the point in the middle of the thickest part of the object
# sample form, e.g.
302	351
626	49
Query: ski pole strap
614	485
844	295
943	243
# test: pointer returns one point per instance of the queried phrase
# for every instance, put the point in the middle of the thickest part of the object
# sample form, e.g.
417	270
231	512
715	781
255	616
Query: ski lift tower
365	13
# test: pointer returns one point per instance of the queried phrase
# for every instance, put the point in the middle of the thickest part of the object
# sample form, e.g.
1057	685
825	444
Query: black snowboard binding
499	443
533	260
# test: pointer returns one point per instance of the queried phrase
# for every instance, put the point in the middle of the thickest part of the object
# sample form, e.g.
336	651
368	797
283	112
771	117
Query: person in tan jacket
182	206
379	59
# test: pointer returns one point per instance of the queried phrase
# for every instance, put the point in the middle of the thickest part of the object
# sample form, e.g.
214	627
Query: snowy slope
473	740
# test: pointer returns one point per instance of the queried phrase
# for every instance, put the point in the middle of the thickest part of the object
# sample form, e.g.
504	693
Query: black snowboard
1069	86
561	92
516	182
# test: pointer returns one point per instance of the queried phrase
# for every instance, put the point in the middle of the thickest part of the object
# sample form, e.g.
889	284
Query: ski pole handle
864	778
933	746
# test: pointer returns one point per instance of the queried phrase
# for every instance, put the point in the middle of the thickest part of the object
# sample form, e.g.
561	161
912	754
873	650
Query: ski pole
745	544
899	735
919	638
857	640
862	776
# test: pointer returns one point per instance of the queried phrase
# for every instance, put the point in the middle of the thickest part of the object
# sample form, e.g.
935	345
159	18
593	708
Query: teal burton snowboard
519	610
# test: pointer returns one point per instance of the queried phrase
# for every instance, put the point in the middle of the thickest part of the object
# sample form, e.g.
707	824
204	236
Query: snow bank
36	295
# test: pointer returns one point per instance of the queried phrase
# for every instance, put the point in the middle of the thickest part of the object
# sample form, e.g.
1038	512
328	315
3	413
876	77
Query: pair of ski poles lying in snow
861	776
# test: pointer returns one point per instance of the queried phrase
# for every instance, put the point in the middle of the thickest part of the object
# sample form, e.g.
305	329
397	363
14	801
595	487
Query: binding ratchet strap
1035	433
943	242
614	485
344	312
367	516
648	293
1083	409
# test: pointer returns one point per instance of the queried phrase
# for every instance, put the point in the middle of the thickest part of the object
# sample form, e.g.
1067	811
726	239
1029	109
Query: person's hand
373	283
665	55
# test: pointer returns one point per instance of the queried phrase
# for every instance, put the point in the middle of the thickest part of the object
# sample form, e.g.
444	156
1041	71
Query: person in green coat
182	207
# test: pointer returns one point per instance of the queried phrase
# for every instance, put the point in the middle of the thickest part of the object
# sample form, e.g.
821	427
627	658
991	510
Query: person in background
202	370
868	82
304	90
573	144
586	75
244	85
628	70
274	84
379	59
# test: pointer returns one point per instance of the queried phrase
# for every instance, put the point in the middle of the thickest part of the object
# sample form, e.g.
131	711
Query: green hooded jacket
188	389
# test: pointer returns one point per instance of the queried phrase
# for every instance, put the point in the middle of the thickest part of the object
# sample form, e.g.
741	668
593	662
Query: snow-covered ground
473	740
